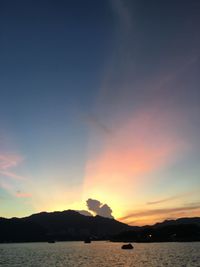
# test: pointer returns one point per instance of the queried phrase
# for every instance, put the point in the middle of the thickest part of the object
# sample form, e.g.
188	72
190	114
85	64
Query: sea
99	254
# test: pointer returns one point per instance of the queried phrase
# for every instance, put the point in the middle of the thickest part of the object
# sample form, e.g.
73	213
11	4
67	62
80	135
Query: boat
87	241
127	246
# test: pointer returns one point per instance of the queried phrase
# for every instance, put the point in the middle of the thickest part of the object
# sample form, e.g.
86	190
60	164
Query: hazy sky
100	99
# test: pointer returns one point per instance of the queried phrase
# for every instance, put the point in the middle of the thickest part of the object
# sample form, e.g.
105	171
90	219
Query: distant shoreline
96	241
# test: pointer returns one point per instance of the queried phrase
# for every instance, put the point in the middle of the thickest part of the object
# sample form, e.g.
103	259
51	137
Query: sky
100	100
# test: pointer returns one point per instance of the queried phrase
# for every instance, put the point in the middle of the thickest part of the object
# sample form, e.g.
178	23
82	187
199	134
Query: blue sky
100	99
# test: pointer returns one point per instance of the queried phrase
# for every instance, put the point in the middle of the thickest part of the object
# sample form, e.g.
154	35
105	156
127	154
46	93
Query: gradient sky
100	99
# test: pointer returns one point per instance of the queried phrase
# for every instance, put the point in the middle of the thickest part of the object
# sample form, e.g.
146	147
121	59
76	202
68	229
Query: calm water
99	254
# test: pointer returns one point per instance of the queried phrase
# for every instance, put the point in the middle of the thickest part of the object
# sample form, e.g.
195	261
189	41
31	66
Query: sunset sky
100	99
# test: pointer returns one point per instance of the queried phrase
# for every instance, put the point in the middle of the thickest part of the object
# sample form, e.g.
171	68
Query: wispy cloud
9	161
9	179
162	200
168	199
11	189
163	211
20	194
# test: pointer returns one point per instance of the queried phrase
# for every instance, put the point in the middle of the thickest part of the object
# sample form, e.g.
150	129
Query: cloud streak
9	180
23	195
20	194
7	162
162	211
168	199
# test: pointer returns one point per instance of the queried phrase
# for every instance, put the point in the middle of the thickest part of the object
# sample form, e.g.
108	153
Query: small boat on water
51	241
127	246
87	241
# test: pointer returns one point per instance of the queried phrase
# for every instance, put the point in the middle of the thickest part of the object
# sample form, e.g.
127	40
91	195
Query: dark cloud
98	208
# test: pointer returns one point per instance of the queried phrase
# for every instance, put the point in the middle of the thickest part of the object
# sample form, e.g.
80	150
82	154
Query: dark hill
179	221
66	225
182	230
71	225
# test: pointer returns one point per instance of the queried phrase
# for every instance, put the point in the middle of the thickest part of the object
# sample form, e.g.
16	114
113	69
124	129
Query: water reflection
99	254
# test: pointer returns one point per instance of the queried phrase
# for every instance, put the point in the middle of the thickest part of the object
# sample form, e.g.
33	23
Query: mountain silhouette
66	225
71	225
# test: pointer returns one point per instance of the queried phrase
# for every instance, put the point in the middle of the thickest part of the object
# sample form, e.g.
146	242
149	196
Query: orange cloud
160	211
149	216
168	199
23	195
